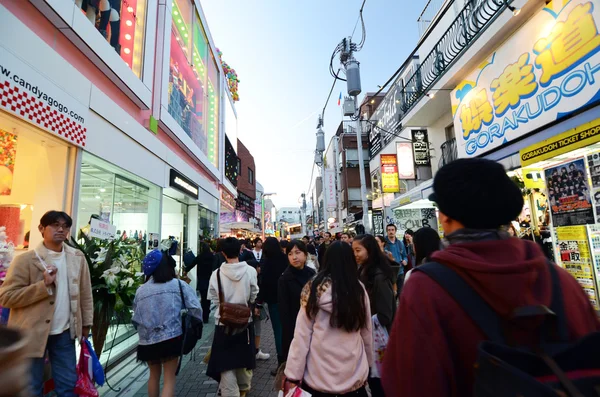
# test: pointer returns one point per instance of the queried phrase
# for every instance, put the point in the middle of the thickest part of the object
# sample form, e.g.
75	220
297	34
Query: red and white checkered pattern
23	104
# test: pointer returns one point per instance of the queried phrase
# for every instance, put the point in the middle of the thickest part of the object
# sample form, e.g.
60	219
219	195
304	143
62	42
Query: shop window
250	176
35	177
122	23
188	96
207	223
239	167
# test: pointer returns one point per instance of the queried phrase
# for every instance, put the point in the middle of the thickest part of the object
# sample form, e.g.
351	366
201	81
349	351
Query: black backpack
554	368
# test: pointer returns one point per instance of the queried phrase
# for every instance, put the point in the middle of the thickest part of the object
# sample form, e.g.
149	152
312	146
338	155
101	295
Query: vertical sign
420	147
378	227
406	162
330	193
389	173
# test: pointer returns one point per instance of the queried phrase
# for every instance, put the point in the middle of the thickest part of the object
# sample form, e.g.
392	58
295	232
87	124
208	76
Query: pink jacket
330	360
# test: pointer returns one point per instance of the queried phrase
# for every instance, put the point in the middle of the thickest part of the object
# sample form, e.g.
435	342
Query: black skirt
230	352
160	352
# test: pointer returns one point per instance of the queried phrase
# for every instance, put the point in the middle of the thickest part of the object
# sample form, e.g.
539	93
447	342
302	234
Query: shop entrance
36	175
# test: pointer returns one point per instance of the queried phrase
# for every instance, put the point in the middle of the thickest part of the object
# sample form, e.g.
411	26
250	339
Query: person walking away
246	254
290	287
232	357
257	250
507	273
49	294
396	247
204	268
219	257
323	247
275	263
332	348
410	251
378	277
157	318
283	245
425	241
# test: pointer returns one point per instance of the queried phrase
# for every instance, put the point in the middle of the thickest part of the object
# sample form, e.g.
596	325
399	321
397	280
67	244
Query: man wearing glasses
49	292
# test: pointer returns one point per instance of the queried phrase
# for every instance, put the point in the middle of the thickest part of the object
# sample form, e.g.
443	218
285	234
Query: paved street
192	380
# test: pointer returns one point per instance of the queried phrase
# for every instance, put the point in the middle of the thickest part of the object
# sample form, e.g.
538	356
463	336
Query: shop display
594	168
569	194
232	77
8	154
575	256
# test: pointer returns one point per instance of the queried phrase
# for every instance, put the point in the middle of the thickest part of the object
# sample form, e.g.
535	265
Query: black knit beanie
477	193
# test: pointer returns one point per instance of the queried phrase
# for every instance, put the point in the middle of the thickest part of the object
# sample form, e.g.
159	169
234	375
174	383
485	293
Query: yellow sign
570	140
389	173
576	258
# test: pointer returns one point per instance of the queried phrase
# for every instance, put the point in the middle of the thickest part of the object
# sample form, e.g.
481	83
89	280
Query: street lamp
262	205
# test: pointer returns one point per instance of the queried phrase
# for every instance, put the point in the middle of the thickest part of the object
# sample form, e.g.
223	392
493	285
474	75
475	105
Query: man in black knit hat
433	344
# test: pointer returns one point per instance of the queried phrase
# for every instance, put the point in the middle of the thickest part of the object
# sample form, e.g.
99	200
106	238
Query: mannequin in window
110	11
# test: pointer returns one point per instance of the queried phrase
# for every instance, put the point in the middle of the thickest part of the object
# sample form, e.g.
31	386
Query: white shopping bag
380	341
295	392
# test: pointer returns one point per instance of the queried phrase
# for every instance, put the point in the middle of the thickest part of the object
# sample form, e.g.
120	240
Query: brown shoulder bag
233	315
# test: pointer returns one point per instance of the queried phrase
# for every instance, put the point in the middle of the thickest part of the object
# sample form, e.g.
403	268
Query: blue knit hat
151	262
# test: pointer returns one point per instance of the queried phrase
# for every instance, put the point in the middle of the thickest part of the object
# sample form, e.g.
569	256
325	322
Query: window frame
250	176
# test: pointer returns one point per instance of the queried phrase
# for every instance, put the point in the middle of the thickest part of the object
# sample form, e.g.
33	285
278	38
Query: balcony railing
475	17
449	152
428	14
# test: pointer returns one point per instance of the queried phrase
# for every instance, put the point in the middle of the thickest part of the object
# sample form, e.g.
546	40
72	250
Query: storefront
413	210
544	130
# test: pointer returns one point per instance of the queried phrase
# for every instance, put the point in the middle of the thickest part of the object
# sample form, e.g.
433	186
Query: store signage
102	230
330	193
420	147
227	200
406	163
245	204
546	71
389	173
387	117
414	219
575	138
378	226
411	198
375	145
32	97
179	182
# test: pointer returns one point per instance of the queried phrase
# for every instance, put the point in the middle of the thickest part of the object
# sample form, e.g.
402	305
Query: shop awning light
130	9
128	22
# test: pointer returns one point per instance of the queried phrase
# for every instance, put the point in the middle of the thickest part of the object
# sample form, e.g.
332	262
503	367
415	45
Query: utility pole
338	179
352	67
319	161
303	215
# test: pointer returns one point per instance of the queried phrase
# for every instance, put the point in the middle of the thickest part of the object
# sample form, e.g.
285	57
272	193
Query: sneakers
262	356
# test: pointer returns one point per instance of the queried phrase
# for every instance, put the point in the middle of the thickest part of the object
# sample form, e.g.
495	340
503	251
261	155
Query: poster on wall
569	194
420	147
594	168
378	226
406	161
414	219
389	173
153	240
575	257
555	56
8	155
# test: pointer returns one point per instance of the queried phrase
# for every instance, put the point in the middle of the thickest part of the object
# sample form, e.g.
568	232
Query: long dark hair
271	249
377	260
349	309
427	241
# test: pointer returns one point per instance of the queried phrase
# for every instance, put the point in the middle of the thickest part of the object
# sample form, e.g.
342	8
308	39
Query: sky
280	50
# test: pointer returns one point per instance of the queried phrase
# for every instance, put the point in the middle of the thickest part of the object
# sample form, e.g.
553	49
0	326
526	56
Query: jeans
61	350
399	284
276	323
376	388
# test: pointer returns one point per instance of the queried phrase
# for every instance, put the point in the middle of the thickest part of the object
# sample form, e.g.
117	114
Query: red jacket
433	344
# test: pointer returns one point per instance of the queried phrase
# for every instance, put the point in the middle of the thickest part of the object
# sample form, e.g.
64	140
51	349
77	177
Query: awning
417	197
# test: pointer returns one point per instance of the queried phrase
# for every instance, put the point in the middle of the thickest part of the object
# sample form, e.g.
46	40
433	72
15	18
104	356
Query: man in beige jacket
49	292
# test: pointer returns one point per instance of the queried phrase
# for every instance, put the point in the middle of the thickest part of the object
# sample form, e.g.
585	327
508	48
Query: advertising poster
420	147
569	194
8	154
389	173
378	226
575	257
414	219
594	168
406	161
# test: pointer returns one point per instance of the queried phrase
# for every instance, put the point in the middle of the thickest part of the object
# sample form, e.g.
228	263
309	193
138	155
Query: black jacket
248	257
322	250
219	260
381	295
204	268
290	288
270	271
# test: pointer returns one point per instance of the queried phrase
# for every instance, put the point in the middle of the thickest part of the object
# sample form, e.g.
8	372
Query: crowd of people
345	321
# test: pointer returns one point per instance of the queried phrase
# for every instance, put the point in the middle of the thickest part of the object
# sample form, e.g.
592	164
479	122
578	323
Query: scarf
474	235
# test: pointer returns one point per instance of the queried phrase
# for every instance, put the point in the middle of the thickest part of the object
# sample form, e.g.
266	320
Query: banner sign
569	194
228	201
32	97
102	230
576	259
546	71
389	173
406	162
420	147
414	219
330	193
378	226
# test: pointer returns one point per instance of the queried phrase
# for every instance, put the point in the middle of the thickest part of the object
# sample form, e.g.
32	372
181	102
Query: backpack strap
221	298
480	312
558	307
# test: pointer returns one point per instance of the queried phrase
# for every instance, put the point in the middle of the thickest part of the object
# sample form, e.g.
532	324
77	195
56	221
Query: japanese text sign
389	173
545	71
102	230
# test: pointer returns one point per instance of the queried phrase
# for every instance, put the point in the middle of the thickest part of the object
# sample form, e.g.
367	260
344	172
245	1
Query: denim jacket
157	310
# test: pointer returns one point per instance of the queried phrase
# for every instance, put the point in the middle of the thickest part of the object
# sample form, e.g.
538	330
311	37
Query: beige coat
30	303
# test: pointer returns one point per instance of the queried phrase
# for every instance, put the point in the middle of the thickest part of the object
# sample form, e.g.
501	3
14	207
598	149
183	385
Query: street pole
338	180
363	182
262	214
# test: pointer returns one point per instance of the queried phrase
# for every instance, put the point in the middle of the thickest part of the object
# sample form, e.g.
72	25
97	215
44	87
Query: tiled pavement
192	379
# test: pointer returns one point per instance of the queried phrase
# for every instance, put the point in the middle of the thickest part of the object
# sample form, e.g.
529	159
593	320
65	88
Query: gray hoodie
239	283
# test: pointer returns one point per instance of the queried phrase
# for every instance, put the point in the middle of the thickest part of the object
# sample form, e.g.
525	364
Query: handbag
189	258
191	327
84	386
232	315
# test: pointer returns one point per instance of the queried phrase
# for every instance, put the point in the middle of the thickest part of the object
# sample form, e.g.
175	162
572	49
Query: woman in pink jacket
332	348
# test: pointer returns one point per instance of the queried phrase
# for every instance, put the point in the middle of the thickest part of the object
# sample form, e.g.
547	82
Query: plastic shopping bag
97	370
380	342
84	386
295	392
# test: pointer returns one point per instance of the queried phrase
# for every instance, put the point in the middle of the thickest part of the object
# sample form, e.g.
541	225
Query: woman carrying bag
157	317
333	326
